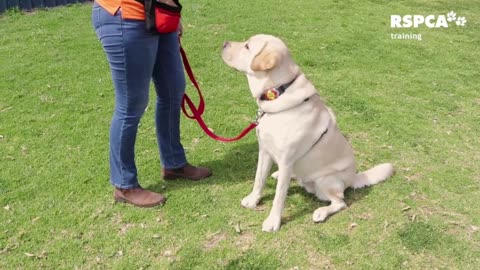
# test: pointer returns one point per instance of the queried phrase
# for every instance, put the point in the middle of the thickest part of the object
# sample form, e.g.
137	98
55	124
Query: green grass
413	103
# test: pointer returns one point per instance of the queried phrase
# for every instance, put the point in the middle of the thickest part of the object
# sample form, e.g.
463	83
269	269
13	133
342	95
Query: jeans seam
170	120
98	20
122	167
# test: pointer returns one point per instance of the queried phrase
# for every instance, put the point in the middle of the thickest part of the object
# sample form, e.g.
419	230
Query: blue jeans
137	57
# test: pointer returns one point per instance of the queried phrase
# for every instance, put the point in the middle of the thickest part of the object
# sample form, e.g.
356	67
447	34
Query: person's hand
180	29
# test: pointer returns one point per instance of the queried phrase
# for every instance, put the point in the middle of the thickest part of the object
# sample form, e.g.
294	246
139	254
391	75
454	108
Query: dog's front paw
319	215
271	224
250	201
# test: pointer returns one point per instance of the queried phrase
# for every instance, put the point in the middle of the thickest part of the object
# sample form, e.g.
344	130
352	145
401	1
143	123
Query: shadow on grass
239	165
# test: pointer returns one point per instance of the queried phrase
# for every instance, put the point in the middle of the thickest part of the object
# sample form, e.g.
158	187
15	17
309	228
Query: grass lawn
413	103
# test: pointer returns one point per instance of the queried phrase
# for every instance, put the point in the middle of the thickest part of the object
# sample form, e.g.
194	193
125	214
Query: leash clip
260	113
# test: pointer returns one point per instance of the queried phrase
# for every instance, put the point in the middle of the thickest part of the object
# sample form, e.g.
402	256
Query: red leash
197	112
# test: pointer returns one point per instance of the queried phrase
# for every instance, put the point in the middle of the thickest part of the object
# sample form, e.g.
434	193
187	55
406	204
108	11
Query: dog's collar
275	92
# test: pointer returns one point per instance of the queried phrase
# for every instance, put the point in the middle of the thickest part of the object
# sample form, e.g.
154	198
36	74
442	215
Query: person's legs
131	54
169	81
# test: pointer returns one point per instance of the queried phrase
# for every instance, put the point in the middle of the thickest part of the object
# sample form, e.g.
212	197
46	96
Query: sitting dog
297	131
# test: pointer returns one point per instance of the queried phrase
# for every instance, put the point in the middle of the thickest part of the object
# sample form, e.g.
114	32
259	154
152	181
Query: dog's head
263	58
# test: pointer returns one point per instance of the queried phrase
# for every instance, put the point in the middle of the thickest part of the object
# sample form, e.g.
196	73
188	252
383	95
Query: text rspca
430	21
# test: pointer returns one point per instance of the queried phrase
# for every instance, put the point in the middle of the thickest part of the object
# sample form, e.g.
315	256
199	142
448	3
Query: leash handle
198	112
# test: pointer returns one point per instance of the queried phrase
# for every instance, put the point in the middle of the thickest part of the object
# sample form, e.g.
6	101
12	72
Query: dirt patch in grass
213	240
254	260
245	240
318	261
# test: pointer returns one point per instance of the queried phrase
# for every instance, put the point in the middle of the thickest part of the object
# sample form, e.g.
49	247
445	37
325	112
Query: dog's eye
246	46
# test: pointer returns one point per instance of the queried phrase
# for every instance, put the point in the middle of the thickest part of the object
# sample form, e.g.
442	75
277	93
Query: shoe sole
121	200
175	177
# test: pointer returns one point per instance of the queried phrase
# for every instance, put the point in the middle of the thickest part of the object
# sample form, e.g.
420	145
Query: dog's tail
373	176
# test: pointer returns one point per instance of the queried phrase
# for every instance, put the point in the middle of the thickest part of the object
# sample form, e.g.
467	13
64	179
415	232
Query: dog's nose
225	44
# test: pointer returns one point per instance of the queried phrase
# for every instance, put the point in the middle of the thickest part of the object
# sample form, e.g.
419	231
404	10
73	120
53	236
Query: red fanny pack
167	17
160	16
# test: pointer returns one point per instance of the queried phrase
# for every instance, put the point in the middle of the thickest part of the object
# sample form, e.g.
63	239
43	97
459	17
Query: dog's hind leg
333	192
264	165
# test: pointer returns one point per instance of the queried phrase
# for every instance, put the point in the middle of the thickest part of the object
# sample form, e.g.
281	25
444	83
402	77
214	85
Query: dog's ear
265	60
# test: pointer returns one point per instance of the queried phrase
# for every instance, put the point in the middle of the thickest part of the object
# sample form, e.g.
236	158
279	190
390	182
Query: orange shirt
131	9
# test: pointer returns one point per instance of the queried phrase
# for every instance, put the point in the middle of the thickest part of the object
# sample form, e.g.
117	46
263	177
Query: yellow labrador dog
297	131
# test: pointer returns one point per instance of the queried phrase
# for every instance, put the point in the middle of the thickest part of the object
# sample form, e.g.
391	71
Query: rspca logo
430	21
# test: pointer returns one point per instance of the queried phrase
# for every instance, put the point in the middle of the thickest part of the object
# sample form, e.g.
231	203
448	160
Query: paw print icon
451	16
461	21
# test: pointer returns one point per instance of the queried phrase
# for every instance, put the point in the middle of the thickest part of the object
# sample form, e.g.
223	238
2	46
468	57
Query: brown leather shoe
188	172
138	197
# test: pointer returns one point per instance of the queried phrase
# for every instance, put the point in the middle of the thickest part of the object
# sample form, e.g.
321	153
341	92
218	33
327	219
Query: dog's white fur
290	132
